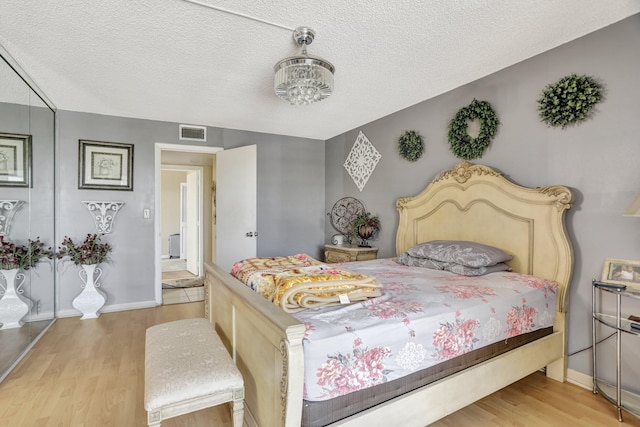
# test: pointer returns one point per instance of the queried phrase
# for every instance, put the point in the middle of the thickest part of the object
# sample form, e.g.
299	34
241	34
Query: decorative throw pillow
470	254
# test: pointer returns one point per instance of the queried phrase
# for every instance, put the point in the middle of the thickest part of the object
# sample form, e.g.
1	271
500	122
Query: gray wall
290	192
128	279
599	160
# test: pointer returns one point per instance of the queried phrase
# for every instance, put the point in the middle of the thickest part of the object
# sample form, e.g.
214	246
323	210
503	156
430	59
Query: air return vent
193	133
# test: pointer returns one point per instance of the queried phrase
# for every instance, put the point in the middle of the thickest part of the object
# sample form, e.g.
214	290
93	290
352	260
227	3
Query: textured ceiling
176	61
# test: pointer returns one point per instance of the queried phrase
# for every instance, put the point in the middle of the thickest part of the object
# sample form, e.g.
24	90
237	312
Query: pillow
470	254
464	270
476	271
411	261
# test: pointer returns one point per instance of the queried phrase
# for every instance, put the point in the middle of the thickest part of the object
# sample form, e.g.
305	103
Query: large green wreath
569	101
462	144
410	145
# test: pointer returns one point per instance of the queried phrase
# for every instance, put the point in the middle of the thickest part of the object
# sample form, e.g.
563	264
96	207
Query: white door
183	220
193	222
236	205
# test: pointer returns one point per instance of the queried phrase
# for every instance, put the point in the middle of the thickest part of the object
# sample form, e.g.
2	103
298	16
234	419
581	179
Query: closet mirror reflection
27	144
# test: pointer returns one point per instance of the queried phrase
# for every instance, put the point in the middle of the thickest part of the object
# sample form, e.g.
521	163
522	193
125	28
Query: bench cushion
185	359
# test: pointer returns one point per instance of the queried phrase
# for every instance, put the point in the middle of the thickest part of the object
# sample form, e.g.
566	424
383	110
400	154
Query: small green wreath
410	145
462	144
569	101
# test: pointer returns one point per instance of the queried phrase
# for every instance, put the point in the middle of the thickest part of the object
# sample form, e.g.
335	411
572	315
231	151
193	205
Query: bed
469	202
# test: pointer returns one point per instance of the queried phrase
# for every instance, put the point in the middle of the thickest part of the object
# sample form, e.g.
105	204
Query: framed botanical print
15	160
105	165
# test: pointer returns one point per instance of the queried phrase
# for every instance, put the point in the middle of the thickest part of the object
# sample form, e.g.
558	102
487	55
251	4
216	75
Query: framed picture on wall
15	160
105	165
621	272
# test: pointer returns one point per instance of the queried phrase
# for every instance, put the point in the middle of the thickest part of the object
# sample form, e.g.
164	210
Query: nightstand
346	253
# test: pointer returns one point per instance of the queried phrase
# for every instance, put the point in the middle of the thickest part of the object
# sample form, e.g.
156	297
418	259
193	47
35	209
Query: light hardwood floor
90	373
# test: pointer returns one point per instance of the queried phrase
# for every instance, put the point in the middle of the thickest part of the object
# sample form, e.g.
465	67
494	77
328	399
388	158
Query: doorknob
249	234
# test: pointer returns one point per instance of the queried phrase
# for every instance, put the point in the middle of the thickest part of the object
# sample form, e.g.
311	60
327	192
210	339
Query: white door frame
159	147
183	220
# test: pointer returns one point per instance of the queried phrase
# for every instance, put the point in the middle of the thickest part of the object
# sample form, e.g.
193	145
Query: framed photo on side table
15	160
622	272
105	165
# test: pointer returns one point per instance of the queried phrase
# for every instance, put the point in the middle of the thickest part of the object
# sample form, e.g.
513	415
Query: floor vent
193	133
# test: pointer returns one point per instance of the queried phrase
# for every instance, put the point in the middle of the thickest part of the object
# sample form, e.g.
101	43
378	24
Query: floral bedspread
423	317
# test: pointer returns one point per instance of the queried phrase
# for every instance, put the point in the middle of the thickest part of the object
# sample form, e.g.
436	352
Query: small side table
614	393
347	253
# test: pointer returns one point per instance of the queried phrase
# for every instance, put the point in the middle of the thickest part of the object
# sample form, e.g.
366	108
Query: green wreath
462	144
410	145
569	101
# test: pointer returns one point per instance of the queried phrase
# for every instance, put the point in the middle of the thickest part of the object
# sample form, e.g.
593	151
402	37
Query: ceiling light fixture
303	79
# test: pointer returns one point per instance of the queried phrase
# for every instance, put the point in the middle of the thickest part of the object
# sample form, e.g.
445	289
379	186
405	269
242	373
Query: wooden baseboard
70	312
43	315
580	379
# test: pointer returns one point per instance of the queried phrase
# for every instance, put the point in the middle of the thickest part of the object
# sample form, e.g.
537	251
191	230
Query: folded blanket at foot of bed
298	282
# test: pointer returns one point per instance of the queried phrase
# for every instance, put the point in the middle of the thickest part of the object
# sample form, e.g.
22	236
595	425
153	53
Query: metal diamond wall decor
361	161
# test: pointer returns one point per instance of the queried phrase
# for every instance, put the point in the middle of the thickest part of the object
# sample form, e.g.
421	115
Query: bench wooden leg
154	418
237	407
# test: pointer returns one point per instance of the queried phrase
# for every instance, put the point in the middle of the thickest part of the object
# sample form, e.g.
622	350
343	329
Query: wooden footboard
265	343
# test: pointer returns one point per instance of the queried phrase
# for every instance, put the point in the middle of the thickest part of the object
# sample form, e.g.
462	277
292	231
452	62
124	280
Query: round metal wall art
344	211
462	144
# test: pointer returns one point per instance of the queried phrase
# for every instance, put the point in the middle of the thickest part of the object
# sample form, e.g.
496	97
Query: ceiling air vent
193	133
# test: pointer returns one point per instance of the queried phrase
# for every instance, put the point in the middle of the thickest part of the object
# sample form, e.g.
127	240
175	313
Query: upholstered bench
187	368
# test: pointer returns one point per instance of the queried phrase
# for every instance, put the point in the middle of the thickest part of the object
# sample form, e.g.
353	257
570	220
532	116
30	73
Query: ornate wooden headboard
476	203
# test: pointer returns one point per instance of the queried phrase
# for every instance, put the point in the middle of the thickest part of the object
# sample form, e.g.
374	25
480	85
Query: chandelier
303	79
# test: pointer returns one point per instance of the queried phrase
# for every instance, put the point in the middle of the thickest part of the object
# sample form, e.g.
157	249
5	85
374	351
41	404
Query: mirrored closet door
27	274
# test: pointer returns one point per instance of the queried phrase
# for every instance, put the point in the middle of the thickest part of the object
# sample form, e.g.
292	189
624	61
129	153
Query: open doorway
183	233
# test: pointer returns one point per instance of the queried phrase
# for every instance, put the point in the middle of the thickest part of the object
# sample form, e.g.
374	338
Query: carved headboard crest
464	170
461	172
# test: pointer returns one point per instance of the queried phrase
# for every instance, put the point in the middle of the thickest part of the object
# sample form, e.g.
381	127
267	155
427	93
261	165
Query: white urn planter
13	305
91	299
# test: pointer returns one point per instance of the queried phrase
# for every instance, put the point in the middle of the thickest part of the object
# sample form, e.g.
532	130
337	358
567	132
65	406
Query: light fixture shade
634	209
303	79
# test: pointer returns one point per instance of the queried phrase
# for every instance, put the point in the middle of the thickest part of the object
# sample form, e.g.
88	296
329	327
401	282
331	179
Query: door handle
251	234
